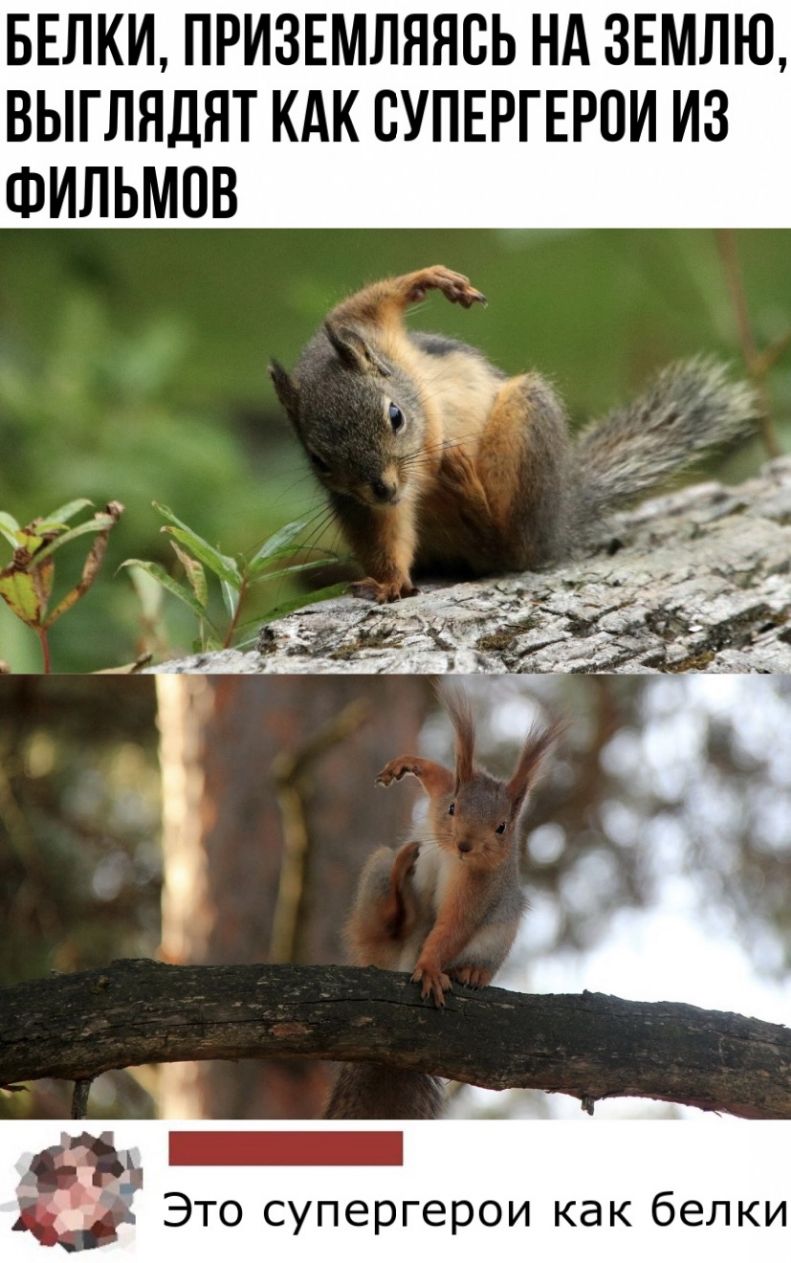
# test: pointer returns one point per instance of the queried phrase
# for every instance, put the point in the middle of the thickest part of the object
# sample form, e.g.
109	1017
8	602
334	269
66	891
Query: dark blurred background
133	367
154	818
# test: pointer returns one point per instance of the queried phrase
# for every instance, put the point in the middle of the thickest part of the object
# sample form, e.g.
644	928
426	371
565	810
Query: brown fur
458	708
385	910
482	477
369	1091
450	908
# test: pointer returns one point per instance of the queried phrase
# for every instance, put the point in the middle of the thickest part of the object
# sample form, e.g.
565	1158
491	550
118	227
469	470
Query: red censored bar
286	1148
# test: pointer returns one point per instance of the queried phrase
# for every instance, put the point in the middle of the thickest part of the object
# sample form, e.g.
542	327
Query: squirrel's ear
458	707
353	350
531	763
285	388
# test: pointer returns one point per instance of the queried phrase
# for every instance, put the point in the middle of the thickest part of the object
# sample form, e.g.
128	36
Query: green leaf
196	575
102	522
224	567
30	541
149	593
230	596
67	511
19	590
277	545
9	528
44	526
168	583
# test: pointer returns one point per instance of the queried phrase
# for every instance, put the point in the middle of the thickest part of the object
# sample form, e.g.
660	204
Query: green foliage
26	583
236	577
95	411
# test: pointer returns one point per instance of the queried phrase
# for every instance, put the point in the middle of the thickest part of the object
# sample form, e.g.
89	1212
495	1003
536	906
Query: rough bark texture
590	1046
695	581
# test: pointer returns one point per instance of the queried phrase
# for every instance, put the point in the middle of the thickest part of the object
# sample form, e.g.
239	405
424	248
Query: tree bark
589	1046
694	581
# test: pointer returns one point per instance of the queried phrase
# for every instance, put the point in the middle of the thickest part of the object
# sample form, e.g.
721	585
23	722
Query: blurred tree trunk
222	742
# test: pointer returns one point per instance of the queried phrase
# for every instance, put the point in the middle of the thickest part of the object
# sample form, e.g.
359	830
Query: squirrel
446	909
435	461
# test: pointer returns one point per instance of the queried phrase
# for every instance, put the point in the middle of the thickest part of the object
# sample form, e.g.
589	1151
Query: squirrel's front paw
472	976
433	982
393	771
382	593
455	287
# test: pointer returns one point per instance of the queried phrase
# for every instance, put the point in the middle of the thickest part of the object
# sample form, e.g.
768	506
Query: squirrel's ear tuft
458	707
532	760
285	388
353	350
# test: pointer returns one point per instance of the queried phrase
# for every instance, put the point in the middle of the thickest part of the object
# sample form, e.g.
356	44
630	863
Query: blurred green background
133	367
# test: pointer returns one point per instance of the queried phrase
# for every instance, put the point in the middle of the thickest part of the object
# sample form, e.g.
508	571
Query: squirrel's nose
384	491
465	847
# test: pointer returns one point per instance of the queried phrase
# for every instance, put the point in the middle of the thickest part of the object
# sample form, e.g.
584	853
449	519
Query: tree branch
692	581
76	1026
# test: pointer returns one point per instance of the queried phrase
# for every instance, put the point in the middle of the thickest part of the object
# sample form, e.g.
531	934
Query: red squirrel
435	461
447	909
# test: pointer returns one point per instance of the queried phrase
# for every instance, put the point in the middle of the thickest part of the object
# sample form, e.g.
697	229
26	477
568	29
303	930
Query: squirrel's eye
452	809
318	463
396	417
500	828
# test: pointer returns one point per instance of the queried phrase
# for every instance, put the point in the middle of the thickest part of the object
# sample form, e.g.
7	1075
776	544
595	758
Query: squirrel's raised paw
472	976
455	287
382	593
433	983
393	771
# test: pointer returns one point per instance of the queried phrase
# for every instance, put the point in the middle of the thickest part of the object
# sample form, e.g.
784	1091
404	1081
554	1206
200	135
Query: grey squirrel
435	461
447	909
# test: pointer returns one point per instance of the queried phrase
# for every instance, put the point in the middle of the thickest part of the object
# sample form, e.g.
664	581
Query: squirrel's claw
461	292
471	296
392	771
472	976
382	593
455	287
433	983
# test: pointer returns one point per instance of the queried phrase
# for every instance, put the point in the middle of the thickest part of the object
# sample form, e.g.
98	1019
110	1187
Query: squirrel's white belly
431	874
430	878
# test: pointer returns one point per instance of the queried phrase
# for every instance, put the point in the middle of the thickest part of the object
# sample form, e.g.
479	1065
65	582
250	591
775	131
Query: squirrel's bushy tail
689	408
365	1091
